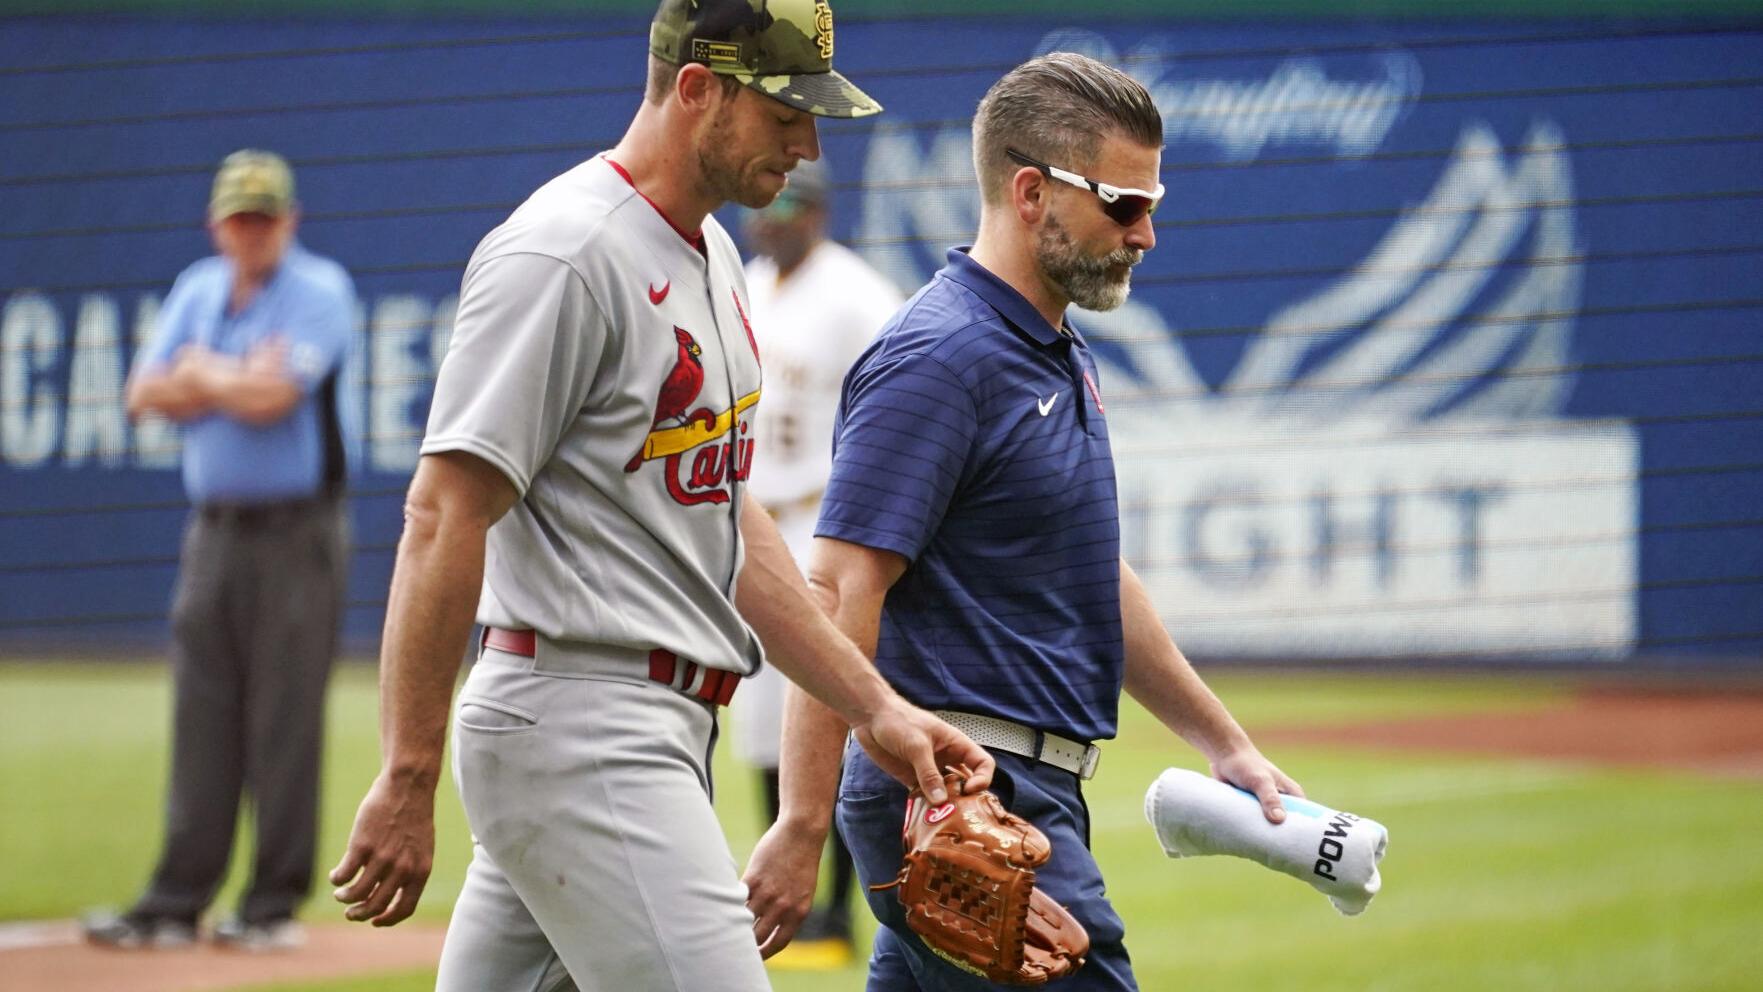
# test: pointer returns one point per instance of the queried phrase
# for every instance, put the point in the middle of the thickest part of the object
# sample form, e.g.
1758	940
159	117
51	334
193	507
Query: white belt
1076	757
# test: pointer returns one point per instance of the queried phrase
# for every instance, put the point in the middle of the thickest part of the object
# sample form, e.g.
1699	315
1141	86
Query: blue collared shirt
971	439
310	303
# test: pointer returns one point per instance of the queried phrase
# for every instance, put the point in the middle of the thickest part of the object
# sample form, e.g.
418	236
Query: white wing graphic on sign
1398	307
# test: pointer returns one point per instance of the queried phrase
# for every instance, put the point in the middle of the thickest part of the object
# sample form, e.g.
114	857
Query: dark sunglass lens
1127	210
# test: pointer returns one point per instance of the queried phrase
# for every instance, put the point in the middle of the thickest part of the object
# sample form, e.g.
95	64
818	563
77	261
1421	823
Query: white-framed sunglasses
1123	206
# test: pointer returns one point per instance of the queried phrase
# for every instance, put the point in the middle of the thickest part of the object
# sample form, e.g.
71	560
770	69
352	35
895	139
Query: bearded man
969	537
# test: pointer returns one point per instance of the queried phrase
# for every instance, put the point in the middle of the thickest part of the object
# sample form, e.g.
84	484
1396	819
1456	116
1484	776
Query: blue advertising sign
1448	347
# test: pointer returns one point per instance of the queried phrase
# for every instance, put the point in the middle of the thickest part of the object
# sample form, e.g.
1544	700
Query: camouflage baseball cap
252	182
782	48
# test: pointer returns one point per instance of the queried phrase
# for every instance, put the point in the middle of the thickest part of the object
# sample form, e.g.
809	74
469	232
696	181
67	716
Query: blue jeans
871	805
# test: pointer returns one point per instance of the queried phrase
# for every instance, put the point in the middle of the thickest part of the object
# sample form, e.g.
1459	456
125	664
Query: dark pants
871	804
254	627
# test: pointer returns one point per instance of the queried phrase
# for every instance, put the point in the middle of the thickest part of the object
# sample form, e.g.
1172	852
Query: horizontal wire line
838	130
1288	439
1421	325
306	217
458	265
1276	439
1295	388
1384	607
1364	550
1310	442
1582	258
1369	607
326	107
329	51
578	92
1370	213
1613	33
1393	156
1306	387
1351	549
883	185
1531	93
1691	639
1135	508
357	495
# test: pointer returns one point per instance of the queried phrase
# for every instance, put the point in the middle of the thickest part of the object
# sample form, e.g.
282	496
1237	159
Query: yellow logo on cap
823	29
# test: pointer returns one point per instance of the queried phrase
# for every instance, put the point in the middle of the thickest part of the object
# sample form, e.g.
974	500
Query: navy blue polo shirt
971	440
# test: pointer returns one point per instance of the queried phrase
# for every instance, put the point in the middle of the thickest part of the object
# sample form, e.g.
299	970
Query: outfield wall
1450	347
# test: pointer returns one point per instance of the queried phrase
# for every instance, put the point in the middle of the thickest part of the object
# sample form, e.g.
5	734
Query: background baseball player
815	307
585	458
969	536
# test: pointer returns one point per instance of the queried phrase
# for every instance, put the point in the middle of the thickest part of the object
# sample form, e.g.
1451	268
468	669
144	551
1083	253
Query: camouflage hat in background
252	182
782	48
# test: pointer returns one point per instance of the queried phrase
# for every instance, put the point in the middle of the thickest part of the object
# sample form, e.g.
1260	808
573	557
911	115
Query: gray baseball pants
598	864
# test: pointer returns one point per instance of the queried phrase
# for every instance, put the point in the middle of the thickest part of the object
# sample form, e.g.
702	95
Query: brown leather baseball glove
968	886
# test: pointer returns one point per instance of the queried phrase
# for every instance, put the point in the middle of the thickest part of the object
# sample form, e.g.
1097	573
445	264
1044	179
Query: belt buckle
1091	759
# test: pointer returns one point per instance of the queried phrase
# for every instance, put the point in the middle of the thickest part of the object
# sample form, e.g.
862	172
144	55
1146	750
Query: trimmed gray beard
1085	279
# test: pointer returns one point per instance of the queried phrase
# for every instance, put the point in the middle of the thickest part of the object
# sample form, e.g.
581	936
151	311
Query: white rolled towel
1336	852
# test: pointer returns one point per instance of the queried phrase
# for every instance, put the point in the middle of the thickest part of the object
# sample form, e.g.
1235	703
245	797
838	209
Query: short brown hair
1058	108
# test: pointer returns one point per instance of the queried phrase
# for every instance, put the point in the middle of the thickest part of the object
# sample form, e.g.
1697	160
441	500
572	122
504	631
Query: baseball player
969	537
582	482
815	307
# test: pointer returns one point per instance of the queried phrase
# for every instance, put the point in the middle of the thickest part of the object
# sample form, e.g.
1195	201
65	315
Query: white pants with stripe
599	863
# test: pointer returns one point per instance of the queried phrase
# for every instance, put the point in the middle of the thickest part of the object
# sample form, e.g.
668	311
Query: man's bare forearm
813	736
808	778
252	395
158	391
428	621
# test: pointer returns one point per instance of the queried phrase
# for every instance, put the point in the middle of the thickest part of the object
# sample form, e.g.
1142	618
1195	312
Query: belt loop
1040	743
661	665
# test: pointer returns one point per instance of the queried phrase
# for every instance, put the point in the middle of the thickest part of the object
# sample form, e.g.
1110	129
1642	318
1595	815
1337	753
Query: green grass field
1501	874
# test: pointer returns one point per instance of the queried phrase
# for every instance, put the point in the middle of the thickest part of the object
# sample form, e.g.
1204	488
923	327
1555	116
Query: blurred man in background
816	306
249	346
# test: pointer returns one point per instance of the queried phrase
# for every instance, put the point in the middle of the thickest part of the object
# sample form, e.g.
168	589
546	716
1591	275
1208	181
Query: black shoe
137	931
270	935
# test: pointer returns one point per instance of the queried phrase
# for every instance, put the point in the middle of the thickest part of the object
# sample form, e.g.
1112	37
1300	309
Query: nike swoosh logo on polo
1046	405
657	295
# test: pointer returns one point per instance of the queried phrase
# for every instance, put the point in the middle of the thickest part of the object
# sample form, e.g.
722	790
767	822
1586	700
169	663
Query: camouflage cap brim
823	94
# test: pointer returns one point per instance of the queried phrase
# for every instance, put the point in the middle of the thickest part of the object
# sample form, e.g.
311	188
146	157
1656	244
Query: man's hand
914	747
1247	769
780	881
391	851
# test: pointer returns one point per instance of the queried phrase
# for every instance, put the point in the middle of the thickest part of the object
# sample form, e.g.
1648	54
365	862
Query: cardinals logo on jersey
680	428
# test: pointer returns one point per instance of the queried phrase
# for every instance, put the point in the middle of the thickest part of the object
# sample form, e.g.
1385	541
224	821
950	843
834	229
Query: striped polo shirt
971	440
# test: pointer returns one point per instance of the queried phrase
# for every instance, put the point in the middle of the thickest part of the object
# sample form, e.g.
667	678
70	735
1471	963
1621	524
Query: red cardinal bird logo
678	390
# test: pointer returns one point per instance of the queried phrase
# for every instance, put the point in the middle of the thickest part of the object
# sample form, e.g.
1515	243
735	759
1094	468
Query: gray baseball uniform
602	361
